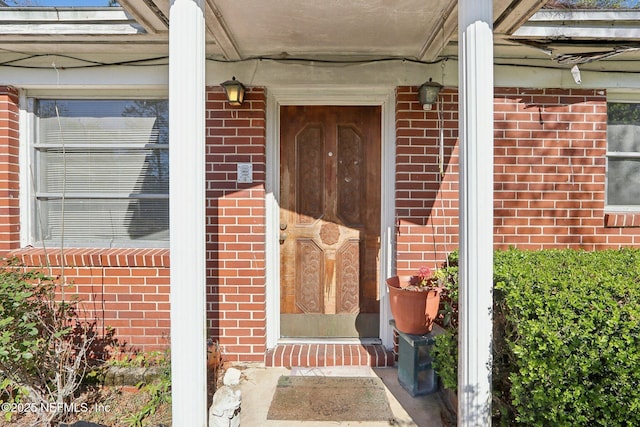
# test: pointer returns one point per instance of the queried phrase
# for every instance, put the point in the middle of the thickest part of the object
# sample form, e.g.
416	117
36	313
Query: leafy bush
445	349
566	338
571	335
445	358
448	278
43	344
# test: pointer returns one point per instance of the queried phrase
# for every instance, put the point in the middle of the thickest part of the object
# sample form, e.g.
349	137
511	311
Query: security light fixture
234	90
428	94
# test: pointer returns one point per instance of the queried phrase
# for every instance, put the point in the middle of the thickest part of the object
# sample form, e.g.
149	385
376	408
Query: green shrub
445	358
445	349
566	348
43	343
571	336
448	278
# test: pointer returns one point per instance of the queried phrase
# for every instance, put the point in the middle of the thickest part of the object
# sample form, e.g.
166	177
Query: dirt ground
119	406
109	406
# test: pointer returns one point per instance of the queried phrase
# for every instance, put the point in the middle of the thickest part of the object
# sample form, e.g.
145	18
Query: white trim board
383	96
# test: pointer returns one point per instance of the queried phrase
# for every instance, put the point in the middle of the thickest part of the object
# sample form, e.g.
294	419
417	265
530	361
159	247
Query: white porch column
187	212
476	211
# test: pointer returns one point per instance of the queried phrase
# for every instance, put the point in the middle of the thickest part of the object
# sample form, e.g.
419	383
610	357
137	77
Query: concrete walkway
258	385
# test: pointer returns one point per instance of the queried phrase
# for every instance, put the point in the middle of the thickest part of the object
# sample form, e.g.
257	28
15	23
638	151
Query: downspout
476	211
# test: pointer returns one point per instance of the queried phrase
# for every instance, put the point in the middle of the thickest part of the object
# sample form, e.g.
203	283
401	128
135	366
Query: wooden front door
329	221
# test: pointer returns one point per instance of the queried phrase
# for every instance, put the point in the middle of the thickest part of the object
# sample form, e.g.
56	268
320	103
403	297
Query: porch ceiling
331	29
340	30
242	29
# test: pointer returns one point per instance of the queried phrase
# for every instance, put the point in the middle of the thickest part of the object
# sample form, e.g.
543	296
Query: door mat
330	399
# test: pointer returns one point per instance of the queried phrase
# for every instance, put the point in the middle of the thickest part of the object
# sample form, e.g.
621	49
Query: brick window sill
93	257
622	219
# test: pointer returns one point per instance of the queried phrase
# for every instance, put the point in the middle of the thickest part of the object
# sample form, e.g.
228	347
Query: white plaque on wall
245	173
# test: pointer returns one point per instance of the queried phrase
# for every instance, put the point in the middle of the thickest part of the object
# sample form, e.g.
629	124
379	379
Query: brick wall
549	192
9	171
549	173
426	200
125	289
236	225
550	148
128	289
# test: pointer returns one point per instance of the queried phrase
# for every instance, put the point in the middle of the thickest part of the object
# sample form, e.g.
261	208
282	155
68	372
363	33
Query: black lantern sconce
235	91
428	94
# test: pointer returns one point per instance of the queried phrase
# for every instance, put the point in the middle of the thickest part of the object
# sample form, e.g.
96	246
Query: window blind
102	171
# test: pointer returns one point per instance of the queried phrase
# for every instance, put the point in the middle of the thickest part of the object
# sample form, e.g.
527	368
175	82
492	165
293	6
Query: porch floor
258	384
321	355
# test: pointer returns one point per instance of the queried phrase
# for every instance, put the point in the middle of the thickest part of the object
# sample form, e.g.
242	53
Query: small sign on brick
245	173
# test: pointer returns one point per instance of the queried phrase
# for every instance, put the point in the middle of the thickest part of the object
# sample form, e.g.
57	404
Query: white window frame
27	157
631	97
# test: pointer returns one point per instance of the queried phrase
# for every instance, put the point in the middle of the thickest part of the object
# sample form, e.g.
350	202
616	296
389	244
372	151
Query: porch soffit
333	30
242	29
597	40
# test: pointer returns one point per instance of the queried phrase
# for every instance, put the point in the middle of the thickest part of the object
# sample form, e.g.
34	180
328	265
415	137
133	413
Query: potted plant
415	301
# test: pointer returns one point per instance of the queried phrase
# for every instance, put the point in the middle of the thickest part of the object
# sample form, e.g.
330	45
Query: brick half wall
123	289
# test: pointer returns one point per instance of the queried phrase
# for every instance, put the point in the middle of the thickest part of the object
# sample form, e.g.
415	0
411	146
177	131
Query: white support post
476	211
187	212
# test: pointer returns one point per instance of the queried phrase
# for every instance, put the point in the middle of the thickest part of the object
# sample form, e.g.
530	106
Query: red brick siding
426	202
128	289
622	219
236	225
549	173
550	148
125	289
549	192
9	170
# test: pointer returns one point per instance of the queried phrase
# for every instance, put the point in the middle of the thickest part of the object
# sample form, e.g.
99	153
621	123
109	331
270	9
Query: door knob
283	226
283	237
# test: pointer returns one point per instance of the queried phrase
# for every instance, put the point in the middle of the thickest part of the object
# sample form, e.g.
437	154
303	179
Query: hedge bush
567	338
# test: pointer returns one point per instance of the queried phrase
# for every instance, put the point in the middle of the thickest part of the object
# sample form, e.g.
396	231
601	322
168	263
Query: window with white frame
623	155
101	172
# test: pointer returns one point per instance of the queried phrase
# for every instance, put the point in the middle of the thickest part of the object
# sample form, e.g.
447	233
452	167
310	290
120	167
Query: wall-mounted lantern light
234	90
428	94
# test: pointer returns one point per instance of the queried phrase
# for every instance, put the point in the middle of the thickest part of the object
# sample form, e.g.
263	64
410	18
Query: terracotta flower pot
413	311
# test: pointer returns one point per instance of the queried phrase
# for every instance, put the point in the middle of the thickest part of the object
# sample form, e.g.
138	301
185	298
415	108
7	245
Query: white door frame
383	96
